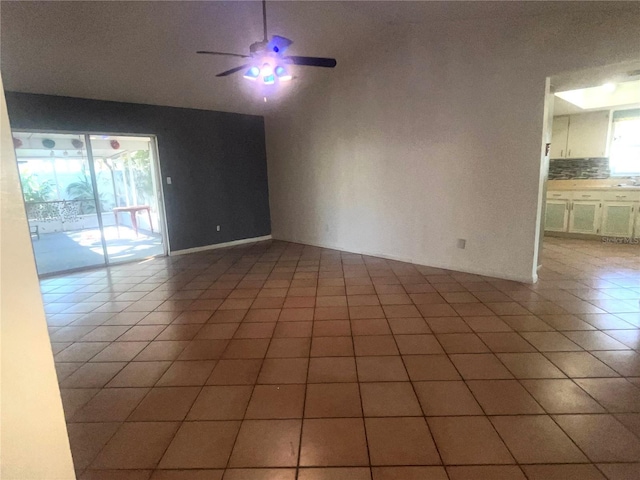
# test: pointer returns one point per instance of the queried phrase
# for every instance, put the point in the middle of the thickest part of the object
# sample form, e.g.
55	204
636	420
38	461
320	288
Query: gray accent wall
216	160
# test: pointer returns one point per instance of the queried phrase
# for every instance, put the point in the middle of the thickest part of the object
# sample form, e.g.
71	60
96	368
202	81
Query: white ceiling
144	52
617	73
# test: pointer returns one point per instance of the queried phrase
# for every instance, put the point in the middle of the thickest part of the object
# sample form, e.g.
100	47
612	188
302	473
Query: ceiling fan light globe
267	70
252	74
282	74
269	79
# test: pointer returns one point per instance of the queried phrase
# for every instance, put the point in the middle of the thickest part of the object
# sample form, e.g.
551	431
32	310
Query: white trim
162	211
220	245
497	275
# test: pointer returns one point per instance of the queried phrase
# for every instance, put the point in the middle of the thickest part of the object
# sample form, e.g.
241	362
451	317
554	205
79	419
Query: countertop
591	185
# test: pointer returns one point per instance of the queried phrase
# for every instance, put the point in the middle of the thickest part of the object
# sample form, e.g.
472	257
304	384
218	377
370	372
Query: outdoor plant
33	190
138	165
82	189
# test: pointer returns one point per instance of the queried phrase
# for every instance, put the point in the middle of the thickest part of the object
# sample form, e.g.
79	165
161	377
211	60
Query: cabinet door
556	216
588	135
617	219
559	134
584	216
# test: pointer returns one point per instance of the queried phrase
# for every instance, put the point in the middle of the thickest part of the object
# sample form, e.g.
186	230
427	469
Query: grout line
415	393
306	385
255	383
355	361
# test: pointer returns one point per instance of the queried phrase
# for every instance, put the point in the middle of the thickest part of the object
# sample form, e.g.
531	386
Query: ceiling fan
268	62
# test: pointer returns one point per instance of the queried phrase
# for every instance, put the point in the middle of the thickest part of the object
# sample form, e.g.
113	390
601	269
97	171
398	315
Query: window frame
626	114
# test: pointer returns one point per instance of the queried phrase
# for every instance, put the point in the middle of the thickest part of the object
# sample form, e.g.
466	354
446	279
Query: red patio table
133	209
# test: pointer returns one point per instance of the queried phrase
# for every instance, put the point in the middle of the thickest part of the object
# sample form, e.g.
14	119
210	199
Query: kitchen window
624	158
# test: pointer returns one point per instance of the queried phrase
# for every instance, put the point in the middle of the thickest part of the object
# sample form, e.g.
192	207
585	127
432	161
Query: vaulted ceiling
144	52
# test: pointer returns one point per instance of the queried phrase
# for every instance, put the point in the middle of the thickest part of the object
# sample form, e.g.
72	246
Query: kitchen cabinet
588	134
556	215
584	216
559	135
618	219
610	212
621	195
580	136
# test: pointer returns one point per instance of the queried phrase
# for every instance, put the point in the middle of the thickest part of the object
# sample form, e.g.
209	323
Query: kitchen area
593	187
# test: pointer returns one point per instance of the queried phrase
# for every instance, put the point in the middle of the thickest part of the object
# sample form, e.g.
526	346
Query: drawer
621	196
594	195
559	194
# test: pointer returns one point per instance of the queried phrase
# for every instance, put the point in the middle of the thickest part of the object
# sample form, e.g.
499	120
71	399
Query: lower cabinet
584	216
556	216
608	213
618	219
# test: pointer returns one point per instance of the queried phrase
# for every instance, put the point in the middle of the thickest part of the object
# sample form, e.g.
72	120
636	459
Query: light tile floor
282	361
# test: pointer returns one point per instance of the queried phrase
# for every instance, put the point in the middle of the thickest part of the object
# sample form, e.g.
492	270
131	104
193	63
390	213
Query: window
624	158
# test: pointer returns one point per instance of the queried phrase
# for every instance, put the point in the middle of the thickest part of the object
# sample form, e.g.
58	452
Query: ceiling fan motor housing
257	48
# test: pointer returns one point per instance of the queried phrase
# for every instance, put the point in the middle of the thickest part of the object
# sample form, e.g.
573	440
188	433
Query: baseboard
575	236
484	273
357	252
215	246
515	278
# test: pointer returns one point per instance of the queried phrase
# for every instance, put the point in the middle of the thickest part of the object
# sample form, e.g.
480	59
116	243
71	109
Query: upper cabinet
588	133
580	136
559	136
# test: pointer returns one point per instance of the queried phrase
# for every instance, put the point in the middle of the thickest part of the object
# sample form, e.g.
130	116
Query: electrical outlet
462	243
217	228
168	180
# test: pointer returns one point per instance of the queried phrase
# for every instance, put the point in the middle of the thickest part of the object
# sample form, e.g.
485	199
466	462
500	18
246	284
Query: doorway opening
91	199
591	167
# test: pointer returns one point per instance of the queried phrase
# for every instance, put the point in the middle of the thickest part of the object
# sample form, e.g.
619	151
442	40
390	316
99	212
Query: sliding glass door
56	184
128	191
91	200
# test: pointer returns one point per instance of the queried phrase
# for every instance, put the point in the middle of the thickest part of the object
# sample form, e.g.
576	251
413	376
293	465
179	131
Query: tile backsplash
579	168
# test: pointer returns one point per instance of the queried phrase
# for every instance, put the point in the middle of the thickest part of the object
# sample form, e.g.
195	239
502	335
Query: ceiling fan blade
232	71
206	52
278	44
313	61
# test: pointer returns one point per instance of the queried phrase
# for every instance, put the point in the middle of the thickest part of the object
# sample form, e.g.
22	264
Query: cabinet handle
569	153
586	196
556	194
621	196
562	153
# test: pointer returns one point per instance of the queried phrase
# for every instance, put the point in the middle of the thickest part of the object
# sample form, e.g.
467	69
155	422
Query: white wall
436	134
33	433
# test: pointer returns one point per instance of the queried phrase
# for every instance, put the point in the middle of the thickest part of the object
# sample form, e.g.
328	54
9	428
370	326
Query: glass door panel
128	191
59	199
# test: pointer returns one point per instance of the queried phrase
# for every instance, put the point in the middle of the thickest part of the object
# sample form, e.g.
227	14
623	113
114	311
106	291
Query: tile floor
281	361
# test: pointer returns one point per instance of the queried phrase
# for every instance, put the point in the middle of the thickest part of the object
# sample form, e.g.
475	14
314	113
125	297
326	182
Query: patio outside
60	251
62	184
